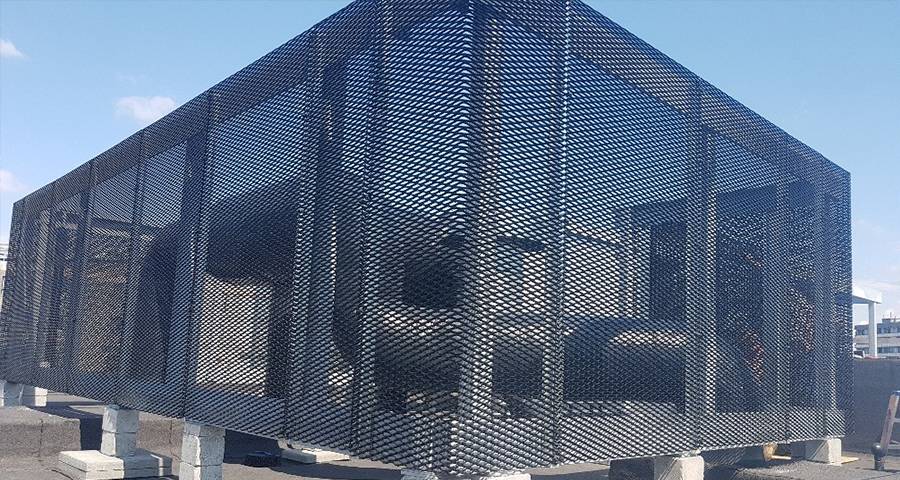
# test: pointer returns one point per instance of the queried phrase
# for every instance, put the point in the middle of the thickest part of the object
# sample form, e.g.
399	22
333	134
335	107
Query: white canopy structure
871	298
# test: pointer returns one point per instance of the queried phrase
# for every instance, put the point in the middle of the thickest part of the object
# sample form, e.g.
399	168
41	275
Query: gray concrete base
312	455
823	451
93	465
10	394
34	396
420	475
308	455
119	431
678	468
202	452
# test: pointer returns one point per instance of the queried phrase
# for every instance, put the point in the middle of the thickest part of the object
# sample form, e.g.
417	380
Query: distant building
888	334
4	251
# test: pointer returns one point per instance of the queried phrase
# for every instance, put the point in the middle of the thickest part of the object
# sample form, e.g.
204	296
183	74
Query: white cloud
144	110
10	184
8	50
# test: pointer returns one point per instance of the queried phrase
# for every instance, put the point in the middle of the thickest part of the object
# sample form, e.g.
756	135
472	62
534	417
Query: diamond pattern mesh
461	236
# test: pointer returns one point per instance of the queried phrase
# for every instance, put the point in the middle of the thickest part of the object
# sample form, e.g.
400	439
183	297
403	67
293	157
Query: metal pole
873	331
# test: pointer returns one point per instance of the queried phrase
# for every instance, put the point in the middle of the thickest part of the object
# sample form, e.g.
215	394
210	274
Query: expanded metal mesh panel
156	327
461	236
30	221
104	271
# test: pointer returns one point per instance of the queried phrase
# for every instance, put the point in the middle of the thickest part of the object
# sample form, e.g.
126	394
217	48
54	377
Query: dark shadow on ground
89	425
238	445
338	471
586	475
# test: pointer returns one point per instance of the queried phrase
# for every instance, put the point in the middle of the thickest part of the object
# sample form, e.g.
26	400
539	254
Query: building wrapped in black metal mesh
462	236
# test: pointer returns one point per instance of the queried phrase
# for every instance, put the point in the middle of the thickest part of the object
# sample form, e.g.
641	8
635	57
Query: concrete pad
86	459
93	465
76	474
312	455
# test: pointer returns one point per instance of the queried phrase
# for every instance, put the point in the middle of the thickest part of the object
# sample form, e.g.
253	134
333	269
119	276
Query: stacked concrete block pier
10	394
118	457
34	396
202	452
120	430
15	394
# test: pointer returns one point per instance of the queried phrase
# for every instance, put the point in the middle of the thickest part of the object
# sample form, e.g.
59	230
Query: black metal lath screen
461	236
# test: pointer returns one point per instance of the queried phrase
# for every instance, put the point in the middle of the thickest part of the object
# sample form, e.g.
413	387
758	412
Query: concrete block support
678	468
202	452
34	396
118	419
827	450
10	394
420	475
118	457
118	444
120	430
308	455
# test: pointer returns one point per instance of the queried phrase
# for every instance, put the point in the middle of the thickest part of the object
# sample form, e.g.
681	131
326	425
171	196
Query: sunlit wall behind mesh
461	236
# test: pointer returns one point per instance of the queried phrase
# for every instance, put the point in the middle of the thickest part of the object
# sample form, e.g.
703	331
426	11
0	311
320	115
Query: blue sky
77	77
